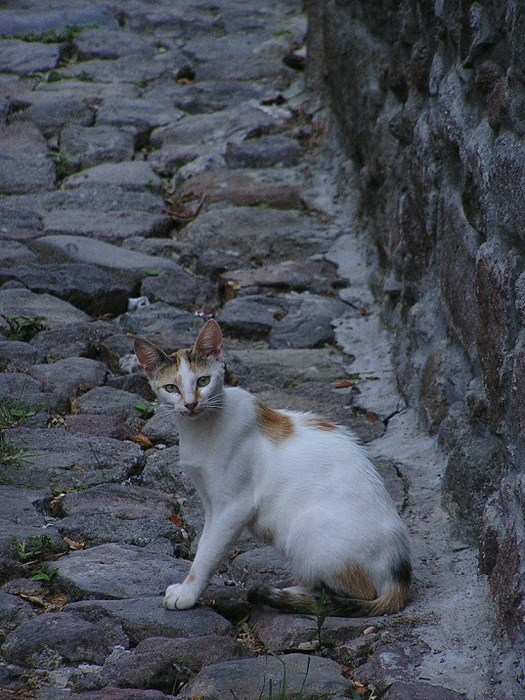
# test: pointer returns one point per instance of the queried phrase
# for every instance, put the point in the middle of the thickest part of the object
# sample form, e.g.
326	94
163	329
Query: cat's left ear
151	357
210	342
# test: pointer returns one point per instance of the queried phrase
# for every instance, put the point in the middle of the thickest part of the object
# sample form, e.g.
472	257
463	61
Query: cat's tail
332	604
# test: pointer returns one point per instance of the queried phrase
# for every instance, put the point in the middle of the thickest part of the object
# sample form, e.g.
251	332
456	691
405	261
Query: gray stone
83	285
244	188
55	17
163	663
56	459
309	677
19	222
264	152
182	290
207	96
162	428
51	640
475	465
309	322
111	226
144	115
400	690
110	44
16	355
92	198
113	402
26	173
99	426
105	255
73	340
286	366
70	376
161	471
280	632
145	616
51	113
167	327
131	175
28	394
126	502
54	312
14	253
96	144
132	69
22	58
20	520
318	276
228	227
121	571
262	566
252	317
24	165
302	320
232	123
13	611
118	694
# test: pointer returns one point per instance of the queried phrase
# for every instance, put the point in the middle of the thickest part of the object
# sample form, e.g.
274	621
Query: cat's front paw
179	597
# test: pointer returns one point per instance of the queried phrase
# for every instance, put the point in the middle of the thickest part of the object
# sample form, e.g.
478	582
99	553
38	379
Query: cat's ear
209	342
151	358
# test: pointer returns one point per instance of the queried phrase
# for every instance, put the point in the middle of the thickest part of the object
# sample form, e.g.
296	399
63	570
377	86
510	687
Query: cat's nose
190	406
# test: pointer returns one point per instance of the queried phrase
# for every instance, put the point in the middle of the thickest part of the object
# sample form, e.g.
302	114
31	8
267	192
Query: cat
296	480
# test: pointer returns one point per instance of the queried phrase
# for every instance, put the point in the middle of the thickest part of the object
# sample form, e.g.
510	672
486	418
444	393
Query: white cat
296	480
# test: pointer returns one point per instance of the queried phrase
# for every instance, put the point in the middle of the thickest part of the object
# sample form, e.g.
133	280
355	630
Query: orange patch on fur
391	602
355	583
276	426
321	424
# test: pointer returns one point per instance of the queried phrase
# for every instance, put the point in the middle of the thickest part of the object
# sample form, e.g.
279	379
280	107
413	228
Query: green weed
11	455
13	413
65	165
319	618
23	328
53	36
45	574
34	547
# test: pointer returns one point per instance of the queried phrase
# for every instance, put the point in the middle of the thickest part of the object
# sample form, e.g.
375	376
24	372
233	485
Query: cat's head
189	380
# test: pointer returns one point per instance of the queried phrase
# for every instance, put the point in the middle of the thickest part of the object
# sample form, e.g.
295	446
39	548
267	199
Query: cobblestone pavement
160	162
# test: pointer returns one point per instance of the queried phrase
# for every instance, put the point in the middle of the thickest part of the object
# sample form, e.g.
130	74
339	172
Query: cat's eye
203	381
171	388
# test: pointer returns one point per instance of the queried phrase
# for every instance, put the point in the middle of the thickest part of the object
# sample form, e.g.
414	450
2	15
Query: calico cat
296	480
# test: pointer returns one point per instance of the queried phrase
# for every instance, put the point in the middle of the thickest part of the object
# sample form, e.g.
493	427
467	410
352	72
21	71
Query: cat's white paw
180	597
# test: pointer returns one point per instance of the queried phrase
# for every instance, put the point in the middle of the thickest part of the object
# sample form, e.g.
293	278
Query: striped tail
336	605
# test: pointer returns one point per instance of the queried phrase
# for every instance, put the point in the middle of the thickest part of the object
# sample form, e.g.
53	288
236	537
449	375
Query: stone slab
105	255
58	460
268	235
293	674
54	312
145	616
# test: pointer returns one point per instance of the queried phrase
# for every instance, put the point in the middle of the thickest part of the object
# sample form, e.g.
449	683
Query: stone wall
429	97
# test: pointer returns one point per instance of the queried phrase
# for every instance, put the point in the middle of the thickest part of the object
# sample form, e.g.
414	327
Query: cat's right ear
151	358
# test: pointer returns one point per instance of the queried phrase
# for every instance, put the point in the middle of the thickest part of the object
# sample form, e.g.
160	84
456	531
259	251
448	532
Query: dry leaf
142	441
344	384
72	544
177	520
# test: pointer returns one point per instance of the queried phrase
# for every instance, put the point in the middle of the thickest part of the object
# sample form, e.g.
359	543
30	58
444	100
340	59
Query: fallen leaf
344	384
177	520
142	441
49	603
235	554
